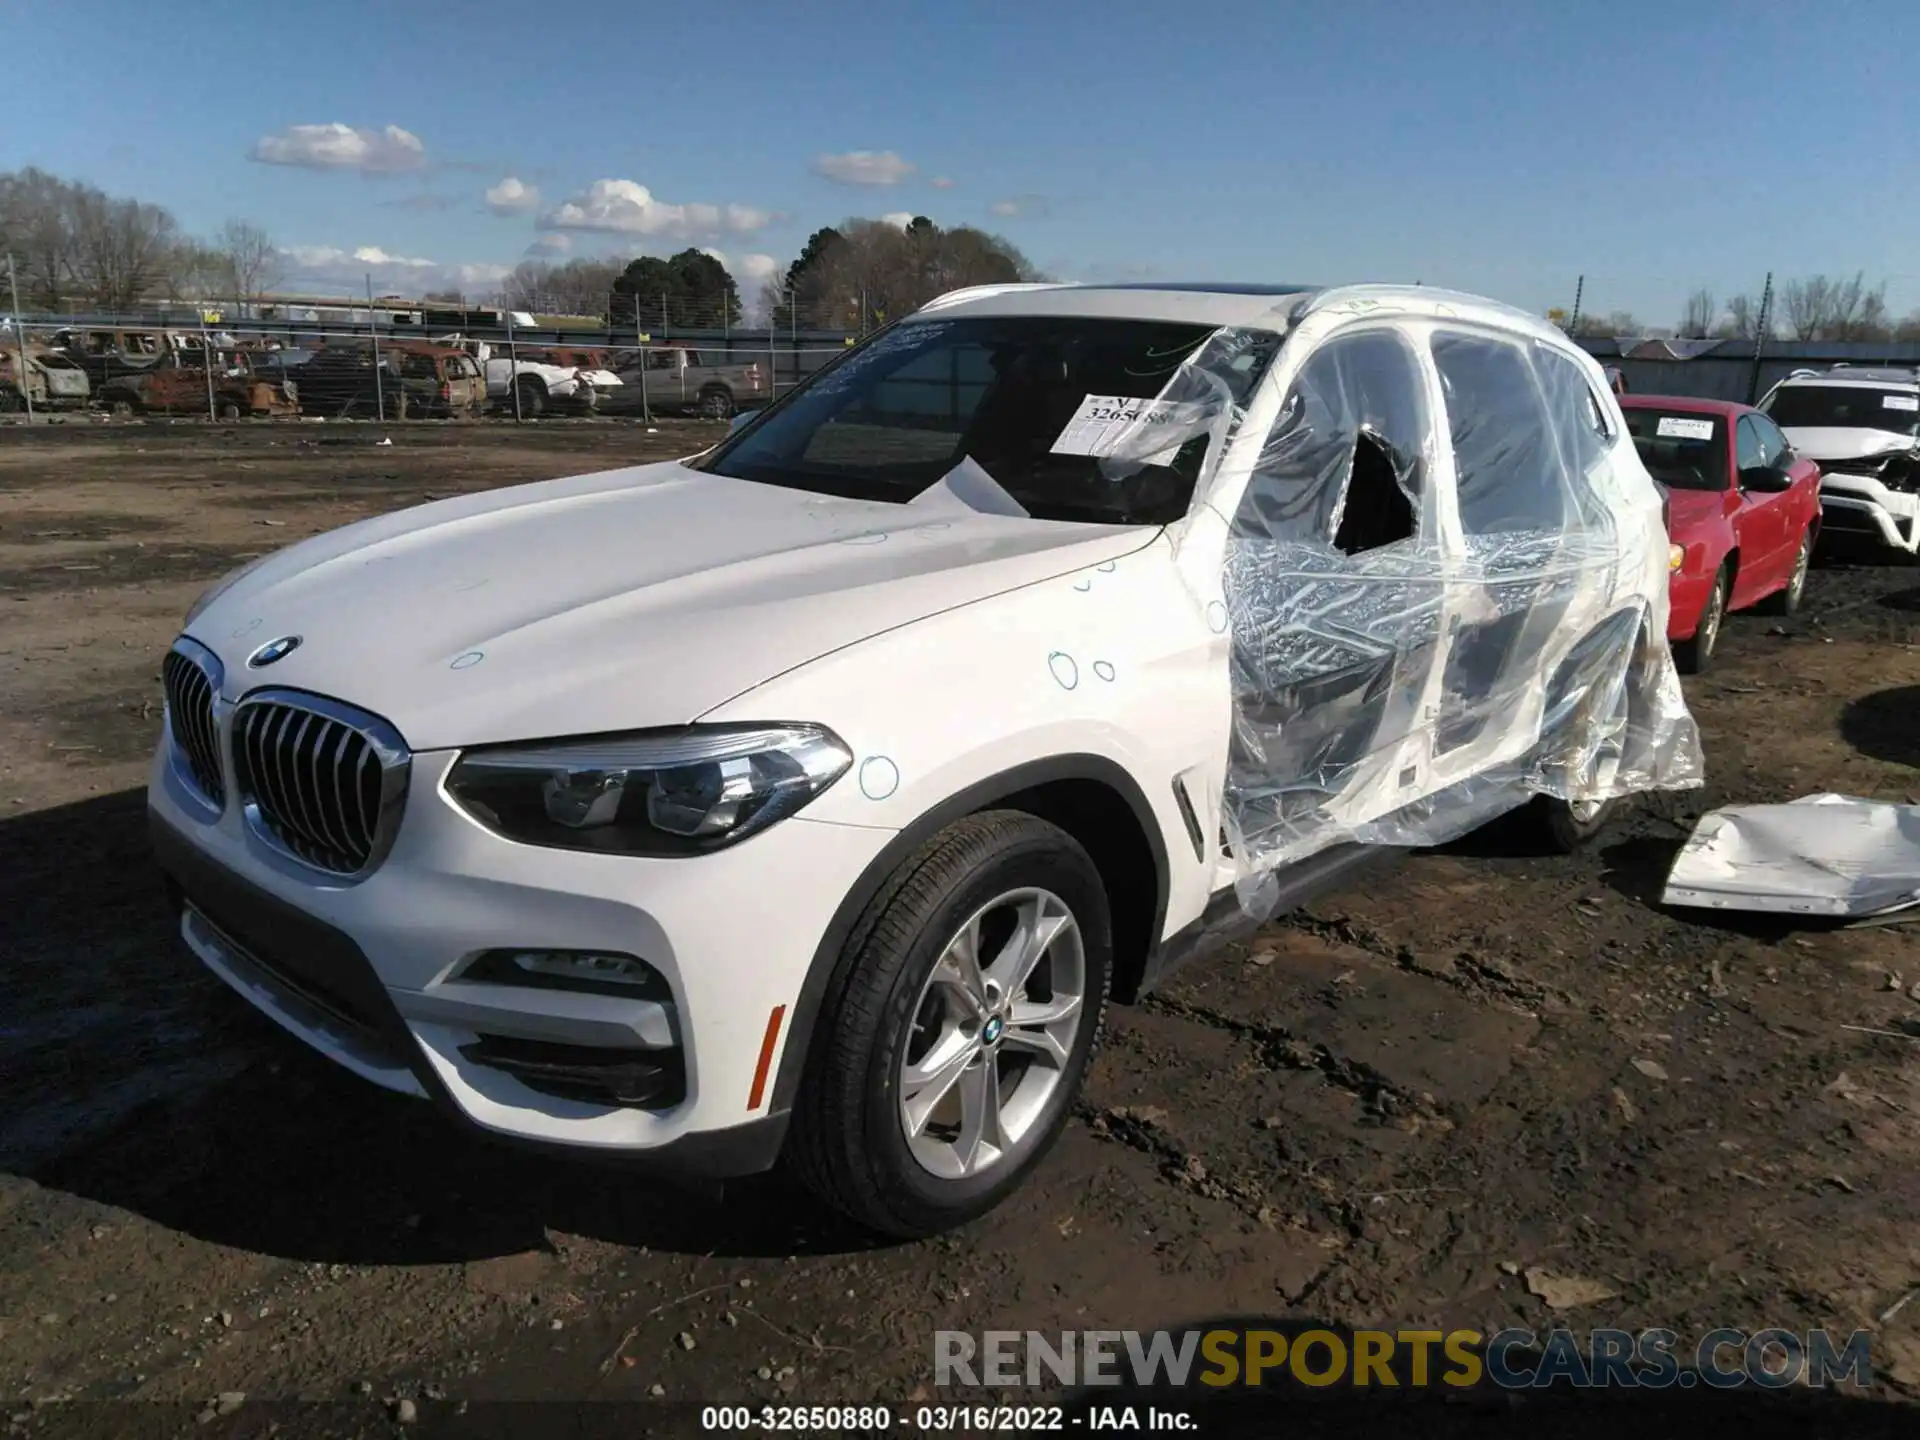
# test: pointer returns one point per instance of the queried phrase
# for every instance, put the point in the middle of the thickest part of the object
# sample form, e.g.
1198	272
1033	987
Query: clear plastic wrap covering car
1435	612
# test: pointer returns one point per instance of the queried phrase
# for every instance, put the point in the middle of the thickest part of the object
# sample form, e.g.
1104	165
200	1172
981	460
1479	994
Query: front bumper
1687	592
370	974
1862	505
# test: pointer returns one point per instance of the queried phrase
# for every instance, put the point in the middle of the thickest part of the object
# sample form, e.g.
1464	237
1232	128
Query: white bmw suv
1861	426
812	796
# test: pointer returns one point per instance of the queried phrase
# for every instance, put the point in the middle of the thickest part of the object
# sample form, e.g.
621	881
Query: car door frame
1500	744
1759	524
1402	773
1799	506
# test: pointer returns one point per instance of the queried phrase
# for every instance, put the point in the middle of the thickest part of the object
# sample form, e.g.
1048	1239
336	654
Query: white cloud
512	196
629	208
374	255
473	275
941	182
342	147
331	268
548	247
863	167
1020	205
899	219
749	269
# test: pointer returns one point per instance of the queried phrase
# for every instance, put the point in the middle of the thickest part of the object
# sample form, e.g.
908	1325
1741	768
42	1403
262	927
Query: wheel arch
1091	797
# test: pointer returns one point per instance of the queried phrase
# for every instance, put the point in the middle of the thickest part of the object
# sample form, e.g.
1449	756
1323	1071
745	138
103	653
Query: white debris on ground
1834	856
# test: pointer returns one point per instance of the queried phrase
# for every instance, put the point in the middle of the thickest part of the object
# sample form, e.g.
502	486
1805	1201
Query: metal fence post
513	368
20	338
1760	329
379	384
206	363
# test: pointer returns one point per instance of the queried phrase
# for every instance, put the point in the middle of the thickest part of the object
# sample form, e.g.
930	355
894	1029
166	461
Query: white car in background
812	796
1861	426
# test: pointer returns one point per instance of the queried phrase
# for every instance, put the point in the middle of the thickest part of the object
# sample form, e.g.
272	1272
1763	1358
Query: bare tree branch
1697	320
253	262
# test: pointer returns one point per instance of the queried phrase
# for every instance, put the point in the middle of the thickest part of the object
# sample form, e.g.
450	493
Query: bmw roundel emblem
273	651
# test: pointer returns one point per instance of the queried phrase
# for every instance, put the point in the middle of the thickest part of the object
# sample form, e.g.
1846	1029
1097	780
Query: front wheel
532	397
1569	826
230	409
947	1060
716	404
1786	601
1694	654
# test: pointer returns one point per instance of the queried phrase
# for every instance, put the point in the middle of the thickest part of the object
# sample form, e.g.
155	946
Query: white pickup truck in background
535	386
673	379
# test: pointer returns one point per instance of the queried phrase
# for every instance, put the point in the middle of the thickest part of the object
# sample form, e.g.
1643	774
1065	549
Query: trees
251	259
691	290
1697	320
1823	308
78	247
865	272
1743	319
579	287
37	229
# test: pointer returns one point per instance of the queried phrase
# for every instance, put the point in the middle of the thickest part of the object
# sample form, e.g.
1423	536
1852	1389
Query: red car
1743	511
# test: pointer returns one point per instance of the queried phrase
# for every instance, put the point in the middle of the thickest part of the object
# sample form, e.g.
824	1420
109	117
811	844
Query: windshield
1843	407
1027	398
1682	449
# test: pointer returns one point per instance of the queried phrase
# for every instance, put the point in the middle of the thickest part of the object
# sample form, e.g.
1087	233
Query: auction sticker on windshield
1103	424
1900	402
1674	427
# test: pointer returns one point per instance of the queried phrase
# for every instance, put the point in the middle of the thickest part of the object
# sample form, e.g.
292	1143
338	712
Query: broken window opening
1377	511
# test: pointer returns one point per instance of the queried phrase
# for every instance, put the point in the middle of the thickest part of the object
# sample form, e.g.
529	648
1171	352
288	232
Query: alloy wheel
993	1030
1710	619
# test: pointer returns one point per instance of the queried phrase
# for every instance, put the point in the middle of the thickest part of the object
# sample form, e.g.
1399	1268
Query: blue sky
1504	148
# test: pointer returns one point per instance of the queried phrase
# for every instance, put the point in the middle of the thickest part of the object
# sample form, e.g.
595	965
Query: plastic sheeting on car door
1441	575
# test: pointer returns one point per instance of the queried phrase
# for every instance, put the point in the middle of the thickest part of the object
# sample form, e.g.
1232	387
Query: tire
122	407
10	400
533	397
230	409
897	1000
1567	828
716	403
1786	601
1695	653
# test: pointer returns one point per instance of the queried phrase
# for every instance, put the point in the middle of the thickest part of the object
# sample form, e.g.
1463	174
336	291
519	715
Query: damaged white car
812	797
1862	428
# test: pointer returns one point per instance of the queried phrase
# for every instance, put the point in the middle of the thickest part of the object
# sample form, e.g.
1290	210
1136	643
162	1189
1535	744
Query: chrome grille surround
191	676
321	782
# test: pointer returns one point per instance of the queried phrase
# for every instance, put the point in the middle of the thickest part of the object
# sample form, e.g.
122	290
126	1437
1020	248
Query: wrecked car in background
1861	426
672	379
1743	513
530	387
1262	585
53	381
177	384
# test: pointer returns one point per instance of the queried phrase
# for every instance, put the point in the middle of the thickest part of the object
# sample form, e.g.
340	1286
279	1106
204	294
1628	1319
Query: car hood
1826	442
622	600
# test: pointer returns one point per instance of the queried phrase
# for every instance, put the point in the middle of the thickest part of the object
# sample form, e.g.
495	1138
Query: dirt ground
1383	1111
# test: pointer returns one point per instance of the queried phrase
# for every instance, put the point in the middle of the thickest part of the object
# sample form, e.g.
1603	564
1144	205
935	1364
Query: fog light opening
604	972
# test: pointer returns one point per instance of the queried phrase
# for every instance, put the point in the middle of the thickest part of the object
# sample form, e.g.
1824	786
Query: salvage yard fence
279	345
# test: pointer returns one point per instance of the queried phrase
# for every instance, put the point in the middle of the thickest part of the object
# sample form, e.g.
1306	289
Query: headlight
678	792
220	587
